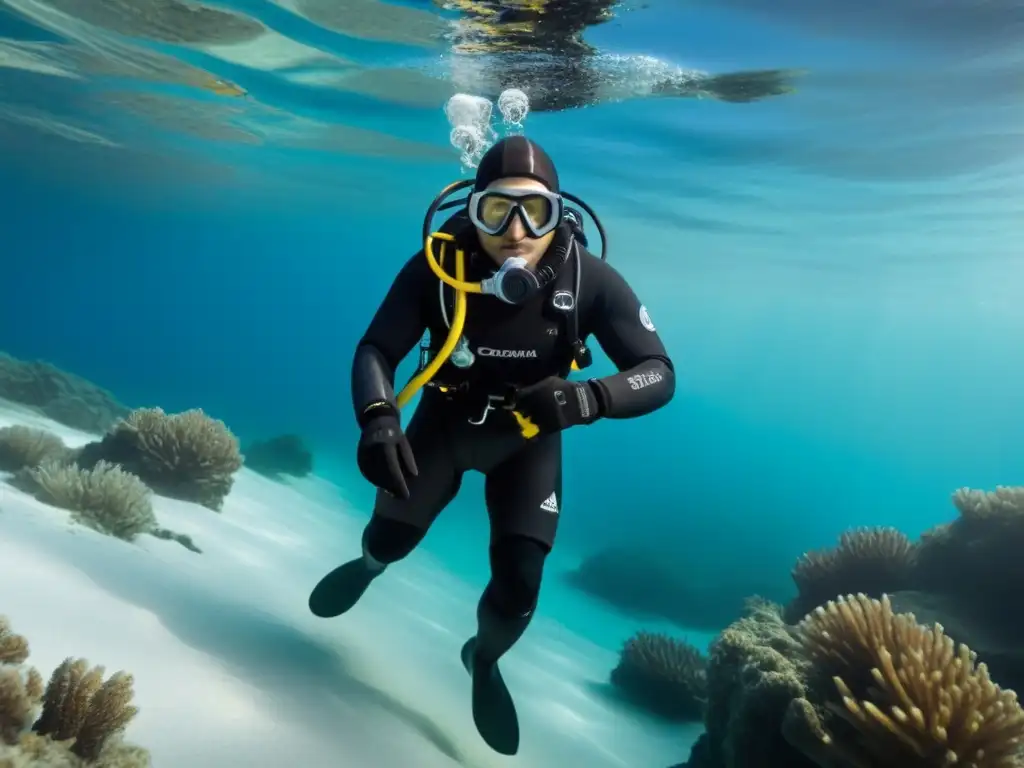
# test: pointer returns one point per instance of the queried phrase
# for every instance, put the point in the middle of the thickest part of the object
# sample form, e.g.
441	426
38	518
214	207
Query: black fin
341	589
494	712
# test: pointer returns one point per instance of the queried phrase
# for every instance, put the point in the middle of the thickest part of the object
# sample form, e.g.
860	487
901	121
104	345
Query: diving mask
491	210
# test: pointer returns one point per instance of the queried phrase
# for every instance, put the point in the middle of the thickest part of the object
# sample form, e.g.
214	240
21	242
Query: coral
105	497
987	627
81	720
885	680
868	560
661	582
977	555
22	446
1002	503
755	670
904	694
283	455
80	705
13	648
663	675
62	396
187	456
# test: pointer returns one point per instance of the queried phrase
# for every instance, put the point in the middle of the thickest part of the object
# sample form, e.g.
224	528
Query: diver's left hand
554	404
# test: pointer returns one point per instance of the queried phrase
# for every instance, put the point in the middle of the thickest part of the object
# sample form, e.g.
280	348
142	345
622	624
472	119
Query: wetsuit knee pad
387	540
517	567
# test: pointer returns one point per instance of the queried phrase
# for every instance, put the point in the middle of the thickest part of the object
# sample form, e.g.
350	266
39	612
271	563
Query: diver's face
516	241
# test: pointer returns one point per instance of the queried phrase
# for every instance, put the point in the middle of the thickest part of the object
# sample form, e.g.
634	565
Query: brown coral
867	560
13	648
665	676
187	456
22	446
977	556
907	696
79	705
105	498
1005	501
82	715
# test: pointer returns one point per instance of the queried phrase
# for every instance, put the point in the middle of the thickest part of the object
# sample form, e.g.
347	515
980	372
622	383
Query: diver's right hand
385	457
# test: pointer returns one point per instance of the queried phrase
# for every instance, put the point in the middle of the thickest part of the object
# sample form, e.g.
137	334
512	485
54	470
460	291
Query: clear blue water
837	271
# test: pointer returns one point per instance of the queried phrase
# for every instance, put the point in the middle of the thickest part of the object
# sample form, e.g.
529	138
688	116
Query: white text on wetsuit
645	379
512	353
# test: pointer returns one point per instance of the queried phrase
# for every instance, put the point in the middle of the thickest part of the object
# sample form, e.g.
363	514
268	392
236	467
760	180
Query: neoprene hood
516	156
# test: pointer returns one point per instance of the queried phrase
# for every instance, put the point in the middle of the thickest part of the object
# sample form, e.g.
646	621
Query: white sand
231	669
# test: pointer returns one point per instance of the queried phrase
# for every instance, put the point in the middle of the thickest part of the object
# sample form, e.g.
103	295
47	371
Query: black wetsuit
513	346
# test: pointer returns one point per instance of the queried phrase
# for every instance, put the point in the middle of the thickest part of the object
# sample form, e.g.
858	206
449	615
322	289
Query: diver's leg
385	541
523	497
397	525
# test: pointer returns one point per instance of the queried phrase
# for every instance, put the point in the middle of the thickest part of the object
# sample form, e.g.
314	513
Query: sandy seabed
231	669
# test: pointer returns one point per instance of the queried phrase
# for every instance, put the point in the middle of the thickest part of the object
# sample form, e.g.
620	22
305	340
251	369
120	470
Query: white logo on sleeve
645	319
550	504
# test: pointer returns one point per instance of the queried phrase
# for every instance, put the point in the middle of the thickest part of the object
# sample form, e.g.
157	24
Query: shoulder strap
567	288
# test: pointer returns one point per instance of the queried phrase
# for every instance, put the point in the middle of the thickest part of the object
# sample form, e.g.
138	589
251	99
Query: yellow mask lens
537	209
494	208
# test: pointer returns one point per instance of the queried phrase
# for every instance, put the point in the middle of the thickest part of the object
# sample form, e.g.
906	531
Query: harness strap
568	335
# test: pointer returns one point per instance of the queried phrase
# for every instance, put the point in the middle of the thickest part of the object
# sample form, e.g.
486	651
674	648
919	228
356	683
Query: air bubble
466	109
514	106
469	139
472	133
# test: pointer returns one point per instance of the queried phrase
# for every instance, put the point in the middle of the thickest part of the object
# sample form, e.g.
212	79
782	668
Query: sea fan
665	676
872	561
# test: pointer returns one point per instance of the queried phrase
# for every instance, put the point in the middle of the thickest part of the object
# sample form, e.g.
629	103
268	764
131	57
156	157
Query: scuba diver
505	333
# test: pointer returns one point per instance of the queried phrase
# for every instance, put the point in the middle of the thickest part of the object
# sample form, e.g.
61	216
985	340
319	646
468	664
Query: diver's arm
396	327
646	380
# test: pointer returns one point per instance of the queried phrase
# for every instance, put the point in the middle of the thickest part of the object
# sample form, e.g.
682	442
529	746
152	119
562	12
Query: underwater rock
754	670
282	455
645	583
62	396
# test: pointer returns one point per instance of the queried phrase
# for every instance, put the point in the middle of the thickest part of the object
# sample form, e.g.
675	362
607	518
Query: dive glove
385	457
554	404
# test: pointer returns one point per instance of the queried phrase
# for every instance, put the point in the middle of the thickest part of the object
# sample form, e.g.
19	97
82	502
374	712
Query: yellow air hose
462	288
